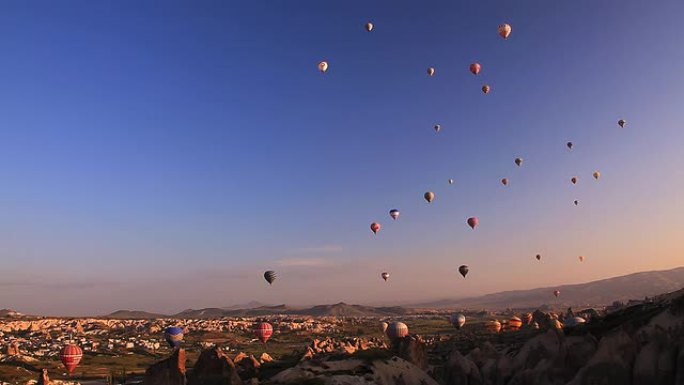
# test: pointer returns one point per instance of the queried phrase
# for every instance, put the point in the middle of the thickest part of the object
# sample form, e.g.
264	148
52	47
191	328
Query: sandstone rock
355	372
12	349
170	371
612	362
411	349
43	379
214	368
656	361
461	371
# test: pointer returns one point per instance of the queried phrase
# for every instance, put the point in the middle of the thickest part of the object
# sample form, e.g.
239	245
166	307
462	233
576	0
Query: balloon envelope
70	355
375	227
581	258
270	276
369	26
323	66
429	196
458	320
486	88
538	257
493	326
396	330
556	293
475	68
505	30
472	222
173	336
437	127
514	323
622	122
385	275
430	71
569	144
463	269
596	175
573	180
383	327
263	331
504	181
518	161
394	213
451	181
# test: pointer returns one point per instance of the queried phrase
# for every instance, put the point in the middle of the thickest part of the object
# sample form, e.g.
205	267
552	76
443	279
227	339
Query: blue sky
161	155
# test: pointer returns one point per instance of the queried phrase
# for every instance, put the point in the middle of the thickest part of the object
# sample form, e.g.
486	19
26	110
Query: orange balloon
505	30
475	68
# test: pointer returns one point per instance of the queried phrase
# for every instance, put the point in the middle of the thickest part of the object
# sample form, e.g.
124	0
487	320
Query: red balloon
475	68
263	331
375	227
472	222
71	355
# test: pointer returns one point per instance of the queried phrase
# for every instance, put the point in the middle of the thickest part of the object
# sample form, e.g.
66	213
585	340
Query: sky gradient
161	155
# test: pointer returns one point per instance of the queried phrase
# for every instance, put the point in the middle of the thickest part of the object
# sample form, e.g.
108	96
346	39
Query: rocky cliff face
170	371
213	368
638	346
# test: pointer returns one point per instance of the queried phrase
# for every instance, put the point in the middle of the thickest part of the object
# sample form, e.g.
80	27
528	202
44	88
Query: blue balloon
174	336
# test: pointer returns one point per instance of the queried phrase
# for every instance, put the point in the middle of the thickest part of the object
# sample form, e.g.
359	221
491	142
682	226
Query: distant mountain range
596	293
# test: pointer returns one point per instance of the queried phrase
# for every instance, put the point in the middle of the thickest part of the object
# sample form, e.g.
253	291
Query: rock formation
170	371
213	368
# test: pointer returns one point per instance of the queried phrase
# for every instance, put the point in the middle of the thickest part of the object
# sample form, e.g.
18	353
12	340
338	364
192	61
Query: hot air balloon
463	269
429	196
527	318
430	71
514	323
573	180
535	325
556	293
475	68
622	122
451	181
538	257
384	276
270	276
437	127
369	26
323	66
518	161
569	144
505	30
383	327
556	324
493	326
472	222
504	181
596	175
574	321
397	330
394	213
581	258
486	88
375	227
173	336
576	202
70	355
263	331
458	320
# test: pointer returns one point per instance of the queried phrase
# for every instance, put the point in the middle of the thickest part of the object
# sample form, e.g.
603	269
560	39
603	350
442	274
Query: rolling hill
596	293
134	314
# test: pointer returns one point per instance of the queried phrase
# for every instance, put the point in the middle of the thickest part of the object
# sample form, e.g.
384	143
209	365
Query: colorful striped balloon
263	331
493	326
397	330
514	323
71	355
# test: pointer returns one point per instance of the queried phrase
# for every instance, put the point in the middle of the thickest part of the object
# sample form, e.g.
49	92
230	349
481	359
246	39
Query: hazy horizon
162	156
